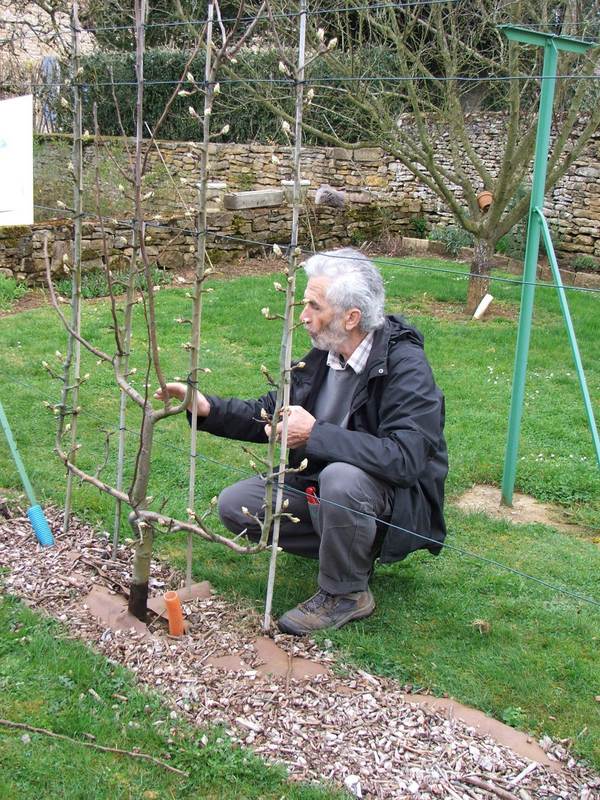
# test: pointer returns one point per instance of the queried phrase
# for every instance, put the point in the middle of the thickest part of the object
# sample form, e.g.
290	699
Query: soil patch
358	730
525	510
35	298
242	265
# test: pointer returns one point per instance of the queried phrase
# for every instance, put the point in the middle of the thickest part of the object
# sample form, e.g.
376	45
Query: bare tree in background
450	59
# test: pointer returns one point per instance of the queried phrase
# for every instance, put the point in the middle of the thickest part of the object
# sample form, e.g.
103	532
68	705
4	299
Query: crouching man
366	413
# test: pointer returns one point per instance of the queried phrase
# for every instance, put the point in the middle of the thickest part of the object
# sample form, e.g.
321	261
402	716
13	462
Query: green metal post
564	306
552	44
17	458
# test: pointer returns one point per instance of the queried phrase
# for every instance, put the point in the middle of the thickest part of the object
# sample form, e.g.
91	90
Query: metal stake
552	44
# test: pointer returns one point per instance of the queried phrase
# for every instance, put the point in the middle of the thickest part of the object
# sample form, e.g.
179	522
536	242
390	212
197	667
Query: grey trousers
346	543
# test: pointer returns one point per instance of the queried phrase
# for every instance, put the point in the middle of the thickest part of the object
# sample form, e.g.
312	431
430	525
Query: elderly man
366	413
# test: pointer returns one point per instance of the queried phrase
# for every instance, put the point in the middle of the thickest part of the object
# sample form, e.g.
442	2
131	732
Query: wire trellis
230	469
298	82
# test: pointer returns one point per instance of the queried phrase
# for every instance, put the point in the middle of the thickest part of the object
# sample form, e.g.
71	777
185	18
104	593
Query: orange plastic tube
174	614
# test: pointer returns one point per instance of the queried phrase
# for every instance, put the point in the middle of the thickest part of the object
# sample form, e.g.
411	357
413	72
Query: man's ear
353	317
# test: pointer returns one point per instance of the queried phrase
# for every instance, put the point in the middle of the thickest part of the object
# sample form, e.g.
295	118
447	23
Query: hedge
247	116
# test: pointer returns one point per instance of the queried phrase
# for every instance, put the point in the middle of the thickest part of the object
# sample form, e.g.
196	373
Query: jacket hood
399	328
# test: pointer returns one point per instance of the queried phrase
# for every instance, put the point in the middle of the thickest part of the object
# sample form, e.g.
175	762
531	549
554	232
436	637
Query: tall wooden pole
201	218
72	371
288	325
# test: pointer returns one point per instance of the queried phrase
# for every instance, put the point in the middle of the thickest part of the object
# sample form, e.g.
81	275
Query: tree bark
138	590
479	281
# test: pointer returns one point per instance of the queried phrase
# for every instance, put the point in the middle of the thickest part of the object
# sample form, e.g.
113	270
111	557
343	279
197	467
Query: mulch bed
356	730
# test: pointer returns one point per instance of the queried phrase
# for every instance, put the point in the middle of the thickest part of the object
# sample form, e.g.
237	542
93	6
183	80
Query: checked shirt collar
358	359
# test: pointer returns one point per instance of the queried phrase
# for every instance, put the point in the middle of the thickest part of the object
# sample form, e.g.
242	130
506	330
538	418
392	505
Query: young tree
142	518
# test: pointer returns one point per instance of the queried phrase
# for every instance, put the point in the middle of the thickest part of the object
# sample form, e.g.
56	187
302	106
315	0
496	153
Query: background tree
168	24
452	60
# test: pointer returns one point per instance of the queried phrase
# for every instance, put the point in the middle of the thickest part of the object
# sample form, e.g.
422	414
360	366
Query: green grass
95	283
45	680
10	291
538	665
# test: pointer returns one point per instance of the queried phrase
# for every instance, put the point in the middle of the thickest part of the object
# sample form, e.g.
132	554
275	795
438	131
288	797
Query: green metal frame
12	445
537	226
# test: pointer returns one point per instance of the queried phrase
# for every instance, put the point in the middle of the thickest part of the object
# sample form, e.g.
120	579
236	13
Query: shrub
452	236
418	226
512	244
248	119
587	263
95	284
11	290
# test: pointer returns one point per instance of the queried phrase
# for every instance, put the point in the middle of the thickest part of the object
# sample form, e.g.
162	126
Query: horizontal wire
308	252
309	13
324	81
460	550
394	527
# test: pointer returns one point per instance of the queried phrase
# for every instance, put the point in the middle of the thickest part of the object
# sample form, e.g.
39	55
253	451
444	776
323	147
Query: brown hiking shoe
324	610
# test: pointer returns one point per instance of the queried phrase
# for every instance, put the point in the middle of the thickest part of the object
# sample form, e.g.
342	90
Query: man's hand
177	391
299	426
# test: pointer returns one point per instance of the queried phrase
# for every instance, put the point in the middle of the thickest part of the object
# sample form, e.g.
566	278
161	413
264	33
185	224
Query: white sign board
16	161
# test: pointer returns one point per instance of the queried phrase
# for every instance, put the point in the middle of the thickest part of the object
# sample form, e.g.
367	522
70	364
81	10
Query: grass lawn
45	681
538	666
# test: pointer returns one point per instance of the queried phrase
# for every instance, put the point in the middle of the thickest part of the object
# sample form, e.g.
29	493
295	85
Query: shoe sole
351	617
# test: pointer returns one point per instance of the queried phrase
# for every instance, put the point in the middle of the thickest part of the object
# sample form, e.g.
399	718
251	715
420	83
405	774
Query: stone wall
383	198
572	207
171	241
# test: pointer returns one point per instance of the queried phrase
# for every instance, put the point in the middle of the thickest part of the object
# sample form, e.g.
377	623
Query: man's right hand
177	391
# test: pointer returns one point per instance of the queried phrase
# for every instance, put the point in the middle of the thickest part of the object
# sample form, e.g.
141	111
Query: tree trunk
479	281
138	588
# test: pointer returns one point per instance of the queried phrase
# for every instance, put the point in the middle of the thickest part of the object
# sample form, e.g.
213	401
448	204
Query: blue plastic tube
40	526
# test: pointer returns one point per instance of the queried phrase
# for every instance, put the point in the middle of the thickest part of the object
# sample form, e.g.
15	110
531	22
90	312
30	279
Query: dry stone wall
170	242
383	197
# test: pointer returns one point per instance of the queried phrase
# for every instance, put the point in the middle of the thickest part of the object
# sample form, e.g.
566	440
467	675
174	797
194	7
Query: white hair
355	283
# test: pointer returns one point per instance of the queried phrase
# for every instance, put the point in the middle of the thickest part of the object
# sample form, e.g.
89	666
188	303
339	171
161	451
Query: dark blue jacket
395	432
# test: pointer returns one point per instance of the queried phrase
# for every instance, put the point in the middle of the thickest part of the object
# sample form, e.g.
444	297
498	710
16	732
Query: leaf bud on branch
268	376
300	468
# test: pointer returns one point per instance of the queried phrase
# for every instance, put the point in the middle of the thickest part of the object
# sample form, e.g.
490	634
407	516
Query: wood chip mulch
357	730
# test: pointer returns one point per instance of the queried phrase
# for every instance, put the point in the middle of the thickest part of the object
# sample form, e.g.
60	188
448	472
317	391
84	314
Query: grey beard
331	338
